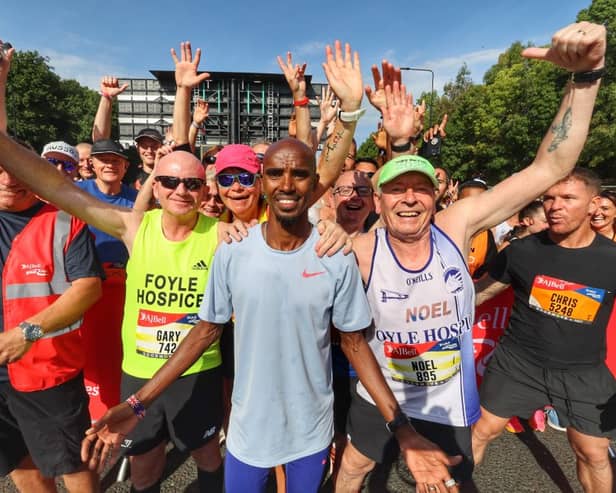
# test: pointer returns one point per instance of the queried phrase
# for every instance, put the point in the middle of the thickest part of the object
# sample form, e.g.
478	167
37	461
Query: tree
368	148
41	107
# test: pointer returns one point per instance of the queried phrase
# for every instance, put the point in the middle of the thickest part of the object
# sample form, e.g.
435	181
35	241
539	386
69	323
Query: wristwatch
400	420
31	332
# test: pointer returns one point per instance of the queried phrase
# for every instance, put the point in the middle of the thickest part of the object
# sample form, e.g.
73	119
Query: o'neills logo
549	282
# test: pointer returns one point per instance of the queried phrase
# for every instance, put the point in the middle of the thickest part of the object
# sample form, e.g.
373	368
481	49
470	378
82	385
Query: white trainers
552	419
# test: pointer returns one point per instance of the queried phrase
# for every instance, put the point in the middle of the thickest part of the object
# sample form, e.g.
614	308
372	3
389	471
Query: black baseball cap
477	182
152	133
108	146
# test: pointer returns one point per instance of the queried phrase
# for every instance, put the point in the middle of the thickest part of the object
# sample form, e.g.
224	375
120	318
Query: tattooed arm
577	48
344	76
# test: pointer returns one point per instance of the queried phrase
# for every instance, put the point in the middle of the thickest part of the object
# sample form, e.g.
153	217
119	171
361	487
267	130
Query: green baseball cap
405	164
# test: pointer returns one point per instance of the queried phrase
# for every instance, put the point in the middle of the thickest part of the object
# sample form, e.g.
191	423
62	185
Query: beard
286	221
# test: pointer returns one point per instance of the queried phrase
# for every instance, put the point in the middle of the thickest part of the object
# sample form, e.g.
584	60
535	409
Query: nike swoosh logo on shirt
311	274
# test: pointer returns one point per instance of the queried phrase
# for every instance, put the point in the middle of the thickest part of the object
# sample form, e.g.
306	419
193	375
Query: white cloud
86	71
309	49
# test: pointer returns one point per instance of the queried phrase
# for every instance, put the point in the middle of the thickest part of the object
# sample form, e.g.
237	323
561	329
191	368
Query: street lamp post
416	69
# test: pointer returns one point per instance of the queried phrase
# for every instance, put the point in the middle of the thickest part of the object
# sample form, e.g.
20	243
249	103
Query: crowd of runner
308	308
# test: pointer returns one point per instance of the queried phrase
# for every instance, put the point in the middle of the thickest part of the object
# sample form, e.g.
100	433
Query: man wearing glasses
63	156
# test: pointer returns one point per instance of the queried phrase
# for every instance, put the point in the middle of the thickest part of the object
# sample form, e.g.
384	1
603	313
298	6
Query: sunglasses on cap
172	182
245	179
347	191
67	166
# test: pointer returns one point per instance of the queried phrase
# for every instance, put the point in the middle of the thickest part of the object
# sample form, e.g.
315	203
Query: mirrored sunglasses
245	179
67	166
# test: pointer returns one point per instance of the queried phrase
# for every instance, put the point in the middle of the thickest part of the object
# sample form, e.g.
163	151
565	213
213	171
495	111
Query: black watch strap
590	76
401	419
402	148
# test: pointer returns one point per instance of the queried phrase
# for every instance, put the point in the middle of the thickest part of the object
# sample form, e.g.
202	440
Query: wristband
106	95
136	405
401	148
301	102
350	116
198	127
590	76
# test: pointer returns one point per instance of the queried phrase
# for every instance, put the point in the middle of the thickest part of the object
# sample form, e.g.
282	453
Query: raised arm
200	114
343	73
186	78
5	65
578	48
110	88
297	84
329	108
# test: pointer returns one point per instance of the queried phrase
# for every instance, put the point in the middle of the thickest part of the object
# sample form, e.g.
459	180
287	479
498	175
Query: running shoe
537	420
552	418
514	425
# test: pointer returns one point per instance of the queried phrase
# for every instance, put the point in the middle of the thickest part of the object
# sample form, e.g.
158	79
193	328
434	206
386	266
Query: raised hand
344	75
5	62
202	110
391	74
110	86
186	67
328	105
294	75
398	113
579	47
437	130
420	113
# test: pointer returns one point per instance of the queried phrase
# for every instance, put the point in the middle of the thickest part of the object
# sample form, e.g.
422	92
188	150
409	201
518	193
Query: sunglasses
67	166
245	179
172	182
260	156
347	191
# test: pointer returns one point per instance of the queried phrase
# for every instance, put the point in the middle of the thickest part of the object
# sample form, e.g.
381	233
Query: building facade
243	107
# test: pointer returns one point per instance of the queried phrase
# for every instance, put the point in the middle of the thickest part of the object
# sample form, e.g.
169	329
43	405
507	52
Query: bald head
180	163
285	148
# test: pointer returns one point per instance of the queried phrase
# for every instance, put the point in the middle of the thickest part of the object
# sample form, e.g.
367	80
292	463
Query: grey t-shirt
283	304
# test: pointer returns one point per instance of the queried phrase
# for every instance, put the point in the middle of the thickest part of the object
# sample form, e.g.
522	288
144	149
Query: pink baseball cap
237	156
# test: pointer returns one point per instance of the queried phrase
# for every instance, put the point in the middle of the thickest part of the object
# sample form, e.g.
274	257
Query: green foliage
368	148
42	107
495	128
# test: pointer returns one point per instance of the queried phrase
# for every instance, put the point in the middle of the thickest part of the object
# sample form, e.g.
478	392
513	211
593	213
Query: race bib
159	334
566	300
427	364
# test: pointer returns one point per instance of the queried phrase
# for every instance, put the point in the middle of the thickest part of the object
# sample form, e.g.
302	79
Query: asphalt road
523	463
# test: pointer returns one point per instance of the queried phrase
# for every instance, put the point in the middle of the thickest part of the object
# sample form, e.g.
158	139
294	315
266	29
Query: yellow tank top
164	288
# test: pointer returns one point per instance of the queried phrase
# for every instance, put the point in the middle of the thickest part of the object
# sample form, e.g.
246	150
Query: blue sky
86	40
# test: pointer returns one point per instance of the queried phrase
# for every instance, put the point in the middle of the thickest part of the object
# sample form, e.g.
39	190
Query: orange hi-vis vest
32	279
